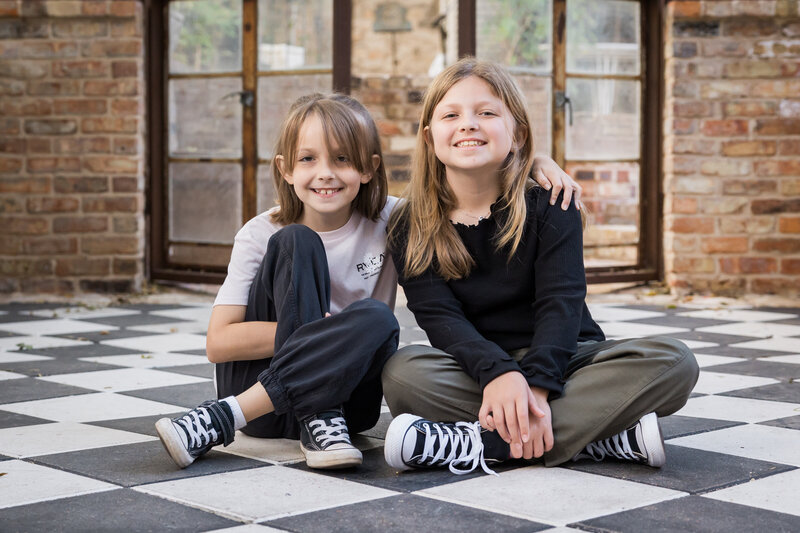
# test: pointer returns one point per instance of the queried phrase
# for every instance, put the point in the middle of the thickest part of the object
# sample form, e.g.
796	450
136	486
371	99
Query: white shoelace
198	427
335	431
466	447
617	446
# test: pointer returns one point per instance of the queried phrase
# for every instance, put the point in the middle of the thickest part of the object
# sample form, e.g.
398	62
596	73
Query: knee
295	236
402	374
379	314
684	363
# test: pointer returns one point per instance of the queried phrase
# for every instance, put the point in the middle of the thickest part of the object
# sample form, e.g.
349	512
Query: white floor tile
56	326
754	329
149	360
611	313
738	315
91	407
195	314
83	313
20	357
537	493
704	359
696	345
260	494
10	375
791	359
738	409
282	451
173	327
777	344
717	382
25	483
629	330
256	528
9	344
175	342
777	493
60	437
765	443
124	379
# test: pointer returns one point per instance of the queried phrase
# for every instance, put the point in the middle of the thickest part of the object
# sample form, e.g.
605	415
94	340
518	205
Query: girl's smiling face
325	181
471	129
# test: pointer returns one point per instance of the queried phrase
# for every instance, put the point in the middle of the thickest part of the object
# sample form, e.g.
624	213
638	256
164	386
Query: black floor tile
85	350
790	422
687	470
379	431
675	321
777	392
27	389
761	368
679	426
731	351
201	351
153	307
144	462
205	370
399	513
13	317
127	321
54	367
716	338
144	425
189	396
115	510
13	420
105	335
695	514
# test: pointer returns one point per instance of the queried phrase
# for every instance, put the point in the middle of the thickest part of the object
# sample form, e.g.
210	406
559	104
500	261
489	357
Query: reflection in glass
265	188
275	95
205	202
611	195
606	119
295	34
516	33
203	122
603	37
205	36
537	92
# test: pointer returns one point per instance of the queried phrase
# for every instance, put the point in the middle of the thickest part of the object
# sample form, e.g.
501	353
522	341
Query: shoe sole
172	443
393	445
653	440
332	459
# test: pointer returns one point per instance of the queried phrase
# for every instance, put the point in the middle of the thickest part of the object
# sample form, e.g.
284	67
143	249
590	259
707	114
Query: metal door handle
246	98
562	100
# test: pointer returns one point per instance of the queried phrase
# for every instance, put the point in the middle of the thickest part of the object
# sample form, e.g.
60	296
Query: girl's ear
426	133
376	161
280	162
520	137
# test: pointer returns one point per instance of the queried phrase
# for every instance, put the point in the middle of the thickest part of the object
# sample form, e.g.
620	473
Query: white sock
238	416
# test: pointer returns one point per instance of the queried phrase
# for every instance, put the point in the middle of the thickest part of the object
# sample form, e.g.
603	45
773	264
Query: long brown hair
432	238
347	124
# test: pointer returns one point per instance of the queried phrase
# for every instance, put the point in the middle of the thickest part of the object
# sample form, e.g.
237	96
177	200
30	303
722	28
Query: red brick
693	225
80	107
693	264
126	224
50	246
784	245
26	108
749	109
81	224
683	126
53	164
682	145
123	87
725	245
760	68
10	165
772	206
22	70
748	265
111	165
778	126
788	167
749	187
83	266
720	47
9	8
12	87
789	147
129	267
110	204
24	225
46	285
107	285
9	126
749	27
94	8
50	127
12	146
112	48
10	245
38	49
686	9
10	206
58	204
126	28
26	267
109	125
773	285
790	266
749	148
126	107
126	146
25	185
789	224
80	28
790	187
123	8
692	109
125	184
54	88
725	128
81	185
684	205
39	145
80	69
124	69
82	145
110	245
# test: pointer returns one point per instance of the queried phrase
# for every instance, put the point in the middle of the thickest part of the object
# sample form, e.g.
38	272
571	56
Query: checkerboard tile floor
80	390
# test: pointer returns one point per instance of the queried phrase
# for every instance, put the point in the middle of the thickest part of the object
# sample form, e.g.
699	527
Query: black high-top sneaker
189	436
413	442
640	443
325	441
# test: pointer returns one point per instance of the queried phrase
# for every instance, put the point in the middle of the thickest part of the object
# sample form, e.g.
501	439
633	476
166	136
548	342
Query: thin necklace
476	217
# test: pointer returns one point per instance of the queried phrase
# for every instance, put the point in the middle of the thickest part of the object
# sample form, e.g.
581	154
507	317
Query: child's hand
541	428
549	175
507	401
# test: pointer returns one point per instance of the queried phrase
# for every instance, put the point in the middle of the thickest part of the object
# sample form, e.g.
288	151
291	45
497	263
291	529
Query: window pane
603	37
205	202
605	119
295	34
265	189
516	33
611	195
205	36
537	91
203	122
275	95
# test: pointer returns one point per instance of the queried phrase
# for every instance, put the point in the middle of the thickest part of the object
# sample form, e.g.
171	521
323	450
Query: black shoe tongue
494	447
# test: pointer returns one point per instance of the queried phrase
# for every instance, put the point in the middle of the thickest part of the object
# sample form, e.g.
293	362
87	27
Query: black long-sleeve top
536	300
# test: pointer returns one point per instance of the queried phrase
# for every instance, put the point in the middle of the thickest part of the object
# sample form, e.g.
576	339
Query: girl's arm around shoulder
230	338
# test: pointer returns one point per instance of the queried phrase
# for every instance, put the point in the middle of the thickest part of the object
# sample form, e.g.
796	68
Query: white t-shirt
358	261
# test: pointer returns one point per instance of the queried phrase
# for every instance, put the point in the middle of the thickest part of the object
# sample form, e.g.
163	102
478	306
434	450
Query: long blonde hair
347	123
432	238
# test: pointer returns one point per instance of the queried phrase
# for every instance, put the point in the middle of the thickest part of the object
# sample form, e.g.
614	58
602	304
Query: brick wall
732	150
71	146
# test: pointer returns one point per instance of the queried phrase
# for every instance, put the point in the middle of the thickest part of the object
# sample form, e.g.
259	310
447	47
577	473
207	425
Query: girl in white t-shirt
303	324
